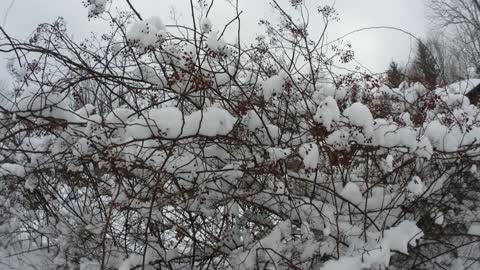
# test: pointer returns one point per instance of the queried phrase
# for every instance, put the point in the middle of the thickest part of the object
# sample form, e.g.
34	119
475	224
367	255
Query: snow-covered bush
161	149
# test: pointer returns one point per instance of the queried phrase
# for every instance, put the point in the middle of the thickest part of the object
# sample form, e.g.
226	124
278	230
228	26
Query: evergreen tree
425	68
394	75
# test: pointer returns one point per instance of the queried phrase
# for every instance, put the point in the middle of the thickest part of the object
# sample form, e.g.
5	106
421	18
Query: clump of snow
147	33
96	7
151	75
339	139
424	148
359	115
12	169
130	262
388	134
438	217
167	120
211	122
395	239
343	263
327	113
413	93
119	116
81	147
272	242
328	89
170	122
416	186
406	119
215	44
253	120
441	137
274	85
406	233
324	90
273	131
473	169
462	87
352	193
205	25
31	183
474	229
277	154
86	111
231	172
376	258
43	103
388	164
309	153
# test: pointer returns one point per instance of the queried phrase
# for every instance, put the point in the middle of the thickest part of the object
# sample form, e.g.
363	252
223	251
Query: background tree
424	67
394	75
447	58
460	19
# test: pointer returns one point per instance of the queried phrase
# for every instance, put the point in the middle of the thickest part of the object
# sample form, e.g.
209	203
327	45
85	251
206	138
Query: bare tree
462	19
448	58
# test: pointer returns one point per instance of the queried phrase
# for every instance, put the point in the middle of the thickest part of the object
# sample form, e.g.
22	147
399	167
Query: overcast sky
373	48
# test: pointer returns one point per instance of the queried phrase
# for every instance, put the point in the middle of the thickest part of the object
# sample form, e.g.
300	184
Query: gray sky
374	49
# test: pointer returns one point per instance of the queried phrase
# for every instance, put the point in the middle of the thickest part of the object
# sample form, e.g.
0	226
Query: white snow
439	218
215	44
388	163
328	113
12	169
277	154
253	120
170	122
359	115
96	7
44	103
462	87
388	134
441	137
474	229
205	25
339	139
352	193
119	116
274	85
211	122
416	186
406	233
272	242
147	33
309	153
